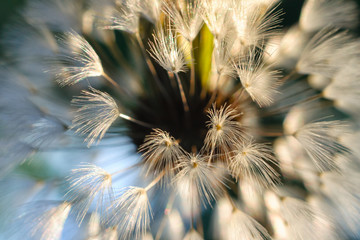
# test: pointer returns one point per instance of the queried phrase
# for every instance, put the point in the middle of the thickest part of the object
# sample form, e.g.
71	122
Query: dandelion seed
171	225
42	220
96	113
187	19
125	19
94	227
197	182
150	9
83	62
321	145
164	49
289	48
45	132
252	198
193	235
242	226
87	183
96	230
253	23
224	129
252	162
318	55
301	218
216	16
222	57
257	78
324	224
343	88
343	190
160	152
317	14
131	213
52	222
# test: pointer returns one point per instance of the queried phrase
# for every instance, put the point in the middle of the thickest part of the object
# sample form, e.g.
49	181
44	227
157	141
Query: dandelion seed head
223	107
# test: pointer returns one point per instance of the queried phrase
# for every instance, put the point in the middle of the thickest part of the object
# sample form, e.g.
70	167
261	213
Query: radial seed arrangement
183	119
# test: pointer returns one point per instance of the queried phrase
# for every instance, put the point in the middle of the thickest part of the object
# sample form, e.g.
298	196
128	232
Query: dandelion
180	119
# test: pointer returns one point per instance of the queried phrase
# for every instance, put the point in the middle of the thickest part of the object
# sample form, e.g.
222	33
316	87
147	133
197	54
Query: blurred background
8	9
